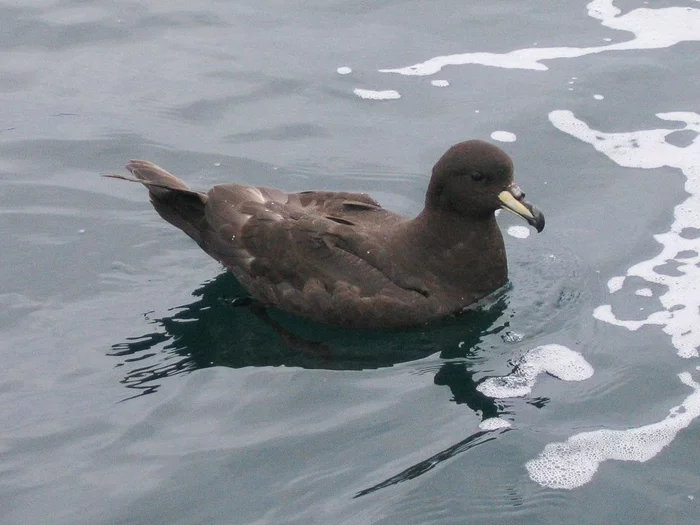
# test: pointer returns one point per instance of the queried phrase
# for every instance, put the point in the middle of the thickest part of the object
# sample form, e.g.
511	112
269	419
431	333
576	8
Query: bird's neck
463	252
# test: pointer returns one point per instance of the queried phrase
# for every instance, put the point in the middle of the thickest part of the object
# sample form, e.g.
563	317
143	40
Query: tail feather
158	178
172	198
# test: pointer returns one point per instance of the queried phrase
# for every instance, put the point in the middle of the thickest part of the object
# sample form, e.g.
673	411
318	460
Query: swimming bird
342	259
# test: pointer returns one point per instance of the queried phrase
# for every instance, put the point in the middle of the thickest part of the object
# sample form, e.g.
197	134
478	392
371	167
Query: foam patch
652	29
679	316
494	423
503	136
519	232
573	463
388	94
557	360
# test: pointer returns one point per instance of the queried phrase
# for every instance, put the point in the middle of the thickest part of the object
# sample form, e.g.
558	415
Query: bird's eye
477	176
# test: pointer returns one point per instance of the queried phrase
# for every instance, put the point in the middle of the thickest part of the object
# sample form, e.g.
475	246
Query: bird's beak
513	199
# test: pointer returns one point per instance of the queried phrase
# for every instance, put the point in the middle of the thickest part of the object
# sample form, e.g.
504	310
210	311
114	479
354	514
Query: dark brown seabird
340	258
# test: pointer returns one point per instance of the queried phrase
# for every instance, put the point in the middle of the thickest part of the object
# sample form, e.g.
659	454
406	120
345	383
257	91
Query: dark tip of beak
537	220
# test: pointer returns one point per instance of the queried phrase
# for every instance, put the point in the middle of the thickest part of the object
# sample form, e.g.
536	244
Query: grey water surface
134	389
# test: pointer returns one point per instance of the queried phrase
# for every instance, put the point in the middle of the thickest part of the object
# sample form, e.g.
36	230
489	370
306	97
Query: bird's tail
171	197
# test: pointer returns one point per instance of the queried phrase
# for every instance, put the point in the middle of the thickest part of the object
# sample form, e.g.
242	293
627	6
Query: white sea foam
519	232
652	29
598	97
494	423
615	284
344	70
503	136
680	312
440	83
388	94
574	462
509	336
553	359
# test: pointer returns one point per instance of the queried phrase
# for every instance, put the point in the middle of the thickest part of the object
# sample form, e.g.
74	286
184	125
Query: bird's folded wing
273	246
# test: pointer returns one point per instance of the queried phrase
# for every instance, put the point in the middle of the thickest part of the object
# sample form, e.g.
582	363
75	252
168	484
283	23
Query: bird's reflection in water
222	328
